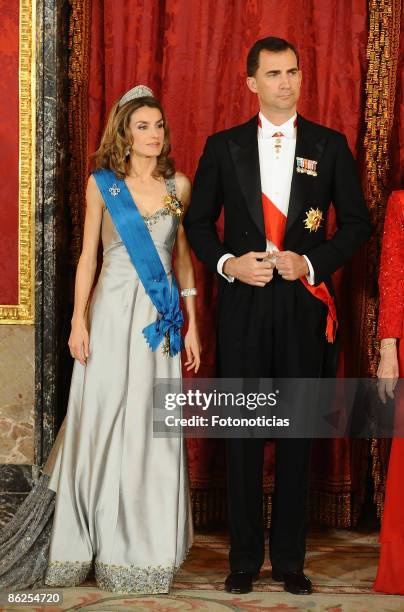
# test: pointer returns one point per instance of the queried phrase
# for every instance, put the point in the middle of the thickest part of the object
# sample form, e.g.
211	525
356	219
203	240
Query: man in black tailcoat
275	176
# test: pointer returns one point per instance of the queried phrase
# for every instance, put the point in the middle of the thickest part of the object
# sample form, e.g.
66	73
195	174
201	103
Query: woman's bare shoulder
93	192
183	185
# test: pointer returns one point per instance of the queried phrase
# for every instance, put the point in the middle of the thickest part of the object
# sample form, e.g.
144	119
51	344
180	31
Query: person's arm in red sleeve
391	285
391	277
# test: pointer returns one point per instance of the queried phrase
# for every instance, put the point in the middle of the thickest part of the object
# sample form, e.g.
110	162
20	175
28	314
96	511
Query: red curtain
193	55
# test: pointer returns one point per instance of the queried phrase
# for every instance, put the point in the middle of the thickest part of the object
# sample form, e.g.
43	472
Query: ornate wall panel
17	160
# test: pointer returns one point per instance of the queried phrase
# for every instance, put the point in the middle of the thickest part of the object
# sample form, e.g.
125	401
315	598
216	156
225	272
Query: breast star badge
313	219
174	206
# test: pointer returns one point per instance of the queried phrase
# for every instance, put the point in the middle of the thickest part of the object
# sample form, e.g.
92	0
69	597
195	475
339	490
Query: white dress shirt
276	169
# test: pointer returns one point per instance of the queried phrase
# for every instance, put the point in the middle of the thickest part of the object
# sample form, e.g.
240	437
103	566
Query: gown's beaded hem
133	579
67	573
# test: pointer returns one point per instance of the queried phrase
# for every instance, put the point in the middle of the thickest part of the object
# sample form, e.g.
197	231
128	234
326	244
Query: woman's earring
127	153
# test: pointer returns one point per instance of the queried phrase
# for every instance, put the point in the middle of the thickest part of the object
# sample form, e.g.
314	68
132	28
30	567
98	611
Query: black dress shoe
294	582
240	582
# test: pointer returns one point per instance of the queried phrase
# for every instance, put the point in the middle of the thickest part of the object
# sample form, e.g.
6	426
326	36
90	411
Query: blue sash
146	260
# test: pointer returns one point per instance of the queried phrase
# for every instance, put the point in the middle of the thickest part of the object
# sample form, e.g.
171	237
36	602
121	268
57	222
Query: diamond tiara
139	91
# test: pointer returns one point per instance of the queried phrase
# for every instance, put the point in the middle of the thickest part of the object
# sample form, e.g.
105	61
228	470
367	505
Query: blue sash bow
144	256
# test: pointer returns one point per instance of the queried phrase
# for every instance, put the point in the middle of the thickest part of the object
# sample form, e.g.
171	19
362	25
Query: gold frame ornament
23	312
313	220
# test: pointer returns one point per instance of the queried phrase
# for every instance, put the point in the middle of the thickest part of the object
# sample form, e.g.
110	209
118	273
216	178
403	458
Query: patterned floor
341	563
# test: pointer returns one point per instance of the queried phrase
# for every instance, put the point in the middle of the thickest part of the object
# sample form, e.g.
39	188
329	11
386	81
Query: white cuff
310	275
220	265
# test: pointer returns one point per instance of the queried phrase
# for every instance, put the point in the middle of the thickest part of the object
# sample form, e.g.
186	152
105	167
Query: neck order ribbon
146	260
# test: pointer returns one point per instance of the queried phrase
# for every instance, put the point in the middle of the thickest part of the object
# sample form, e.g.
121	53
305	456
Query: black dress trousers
273	332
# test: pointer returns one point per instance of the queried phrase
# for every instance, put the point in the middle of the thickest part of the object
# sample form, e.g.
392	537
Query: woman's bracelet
387	344
186	292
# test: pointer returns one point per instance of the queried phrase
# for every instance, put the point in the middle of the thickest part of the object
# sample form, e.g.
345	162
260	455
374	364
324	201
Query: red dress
390	575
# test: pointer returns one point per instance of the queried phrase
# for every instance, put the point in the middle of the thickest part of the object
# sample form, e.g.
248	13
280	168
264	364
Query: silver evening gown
122	498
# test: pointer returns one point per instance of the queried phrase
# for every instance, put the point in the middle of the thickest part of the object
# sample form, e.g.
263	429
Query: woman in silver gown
112	497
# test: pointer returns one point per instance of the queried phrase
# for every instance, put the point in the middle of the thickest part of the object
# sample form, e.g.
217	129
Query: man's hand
250	271
291	266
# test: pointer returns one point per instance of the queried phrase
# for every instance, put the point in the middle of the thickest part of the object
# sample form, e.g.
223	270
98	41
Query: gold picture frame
23	312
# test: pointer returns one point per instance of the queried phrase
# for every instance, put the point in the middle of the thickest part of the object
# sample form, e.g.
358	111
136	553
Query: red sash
275	225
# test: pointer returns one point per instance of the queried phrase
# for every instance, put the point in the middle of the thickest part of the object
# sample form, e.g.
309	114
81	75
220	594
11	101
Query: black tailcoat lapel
244	152
308	146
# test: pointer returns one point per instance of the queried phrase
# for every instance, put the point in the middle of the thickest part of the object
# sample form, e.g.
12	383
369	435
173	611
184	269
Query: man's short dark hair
271	43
